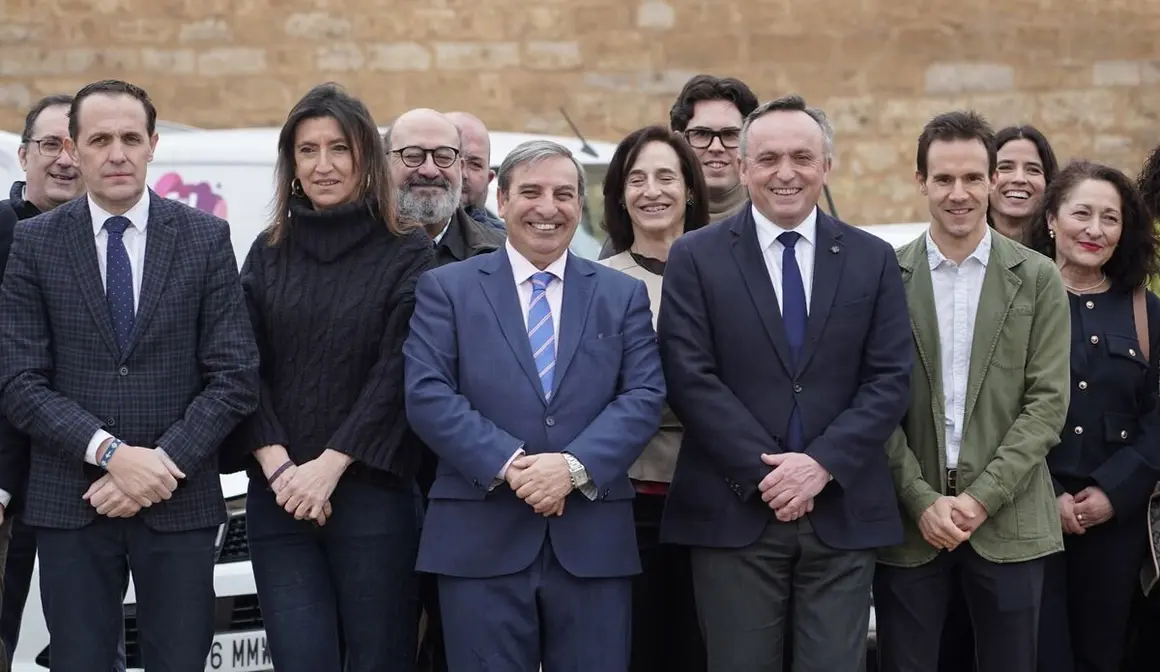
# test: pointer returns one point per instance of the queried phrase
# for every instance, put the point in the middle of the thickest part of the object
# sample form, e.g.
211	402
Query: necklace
1081	290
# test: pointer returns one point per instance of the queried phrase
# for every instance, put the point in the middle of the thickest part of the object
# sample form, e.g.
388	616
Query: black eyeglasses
702	138
49	147
413	157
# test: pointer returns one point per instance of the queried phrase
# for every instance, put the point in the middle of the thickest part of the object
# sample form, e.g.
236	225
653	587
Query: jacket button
112	422
1095	340
1131	352
1079	430
1090	304
1123	433
797	387
124	371
550	421
1083	384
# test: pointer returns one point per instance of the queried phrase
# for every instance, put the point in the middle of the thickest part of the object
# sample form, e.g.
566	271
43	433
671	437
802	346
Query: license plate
239	652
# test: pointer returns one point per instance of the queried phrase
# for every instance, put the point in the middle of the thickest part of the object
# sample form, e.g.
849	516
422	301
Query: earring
296	187
1051	233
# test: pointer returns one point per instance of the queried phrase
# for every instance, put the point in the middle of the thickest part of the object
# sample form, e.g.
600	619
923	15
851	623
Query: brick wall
1076	68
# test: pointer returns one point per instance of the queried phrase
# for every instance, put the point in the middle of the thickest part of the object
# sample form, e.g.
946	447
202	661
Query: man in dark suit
534	376
428	169
128	358
787	354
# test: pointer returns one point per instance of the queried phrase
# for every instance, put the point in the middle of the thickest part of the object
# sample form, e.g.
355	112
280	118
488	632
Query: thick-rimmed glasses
413	157
49	147
702	138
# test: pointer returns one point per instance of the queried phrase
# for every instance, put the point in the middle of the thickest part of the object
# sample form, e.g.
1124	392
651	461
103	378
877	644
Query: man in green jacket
989	397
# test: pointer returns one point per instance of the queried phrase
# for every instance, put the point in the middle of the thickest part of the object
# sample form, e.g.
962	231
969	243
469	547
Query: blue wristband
113	446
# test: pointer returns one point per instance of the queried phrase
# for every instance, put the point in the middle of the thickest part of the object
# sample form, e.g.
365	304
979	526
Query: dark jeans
18	566
83	577
665	633
1087	597
343	591
1003	601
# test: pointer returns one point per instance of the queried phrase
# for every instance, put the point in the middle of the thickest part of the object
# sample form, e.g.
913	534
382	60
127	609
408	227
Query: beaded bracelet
113	446
278	472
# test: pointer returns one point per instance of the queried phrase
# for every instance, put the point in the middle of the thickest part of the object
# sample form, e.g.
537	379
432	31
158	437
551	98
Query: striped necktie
541	331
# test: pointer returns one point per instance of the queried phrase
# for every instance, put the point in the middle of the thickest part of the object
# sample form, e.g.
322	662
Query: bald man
477	172
426	159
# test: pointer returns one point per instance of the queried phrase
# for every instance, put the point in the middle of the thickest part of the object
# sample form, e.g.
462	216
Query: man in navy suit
128	357
787	352
535	377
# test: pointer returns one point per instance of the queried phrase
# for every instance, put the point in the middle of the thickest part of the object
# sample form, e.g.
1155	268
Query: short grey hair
534	151
791	103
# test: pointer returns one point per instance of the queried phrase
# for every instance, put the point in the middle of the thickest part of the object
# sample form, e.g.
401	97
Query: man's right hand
938	527
143	474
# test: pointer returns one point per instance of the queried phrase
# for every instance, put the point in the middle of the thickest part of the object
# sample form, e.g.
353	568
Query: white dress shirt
134	239
803	250
956	301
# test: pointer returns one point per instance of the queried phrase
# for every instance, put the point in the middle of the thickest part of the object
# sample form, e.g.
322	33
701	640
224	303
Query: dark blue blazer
732	383
189	376
473	396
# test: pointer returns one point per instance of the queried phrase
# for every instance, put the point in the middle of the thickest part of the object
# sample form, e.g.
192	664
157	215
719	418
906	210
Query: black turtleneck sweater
331	305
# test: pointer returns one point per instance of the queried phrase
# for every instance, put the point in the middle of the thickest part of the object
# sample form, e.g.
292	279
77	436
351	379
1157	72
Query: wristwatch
577	470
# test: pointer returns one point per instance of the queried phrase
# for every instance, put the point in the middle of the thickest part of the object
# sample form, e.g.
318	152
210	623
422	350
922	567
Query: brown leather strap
1140	315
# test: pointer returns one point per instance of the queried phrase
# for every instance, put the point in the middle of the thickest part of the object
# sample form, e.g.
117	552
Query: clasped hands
1087	508
790	487
137	477
950	521
542	480
304	490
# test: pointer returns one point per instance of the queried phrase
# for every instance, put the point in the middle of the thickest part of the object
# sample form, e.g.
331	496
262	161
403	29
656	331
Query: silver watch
577	470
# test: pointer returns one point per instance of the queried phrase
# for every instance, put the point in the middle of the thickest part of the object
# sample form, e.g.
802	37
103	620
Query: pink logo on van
201	195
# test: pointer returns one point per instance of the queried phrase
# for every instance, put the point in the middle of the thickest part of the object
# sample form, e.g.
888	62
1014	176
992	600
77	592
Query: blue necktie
793	316
119	281
541	331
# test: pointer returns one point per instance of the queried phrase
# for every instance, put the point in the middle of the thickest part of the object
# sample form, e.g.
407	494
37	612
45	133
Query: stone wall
881	68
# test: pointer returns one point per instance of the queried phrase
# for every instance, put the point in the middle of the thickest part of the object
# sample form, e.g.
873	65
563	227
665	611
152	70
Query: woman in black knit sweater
331	512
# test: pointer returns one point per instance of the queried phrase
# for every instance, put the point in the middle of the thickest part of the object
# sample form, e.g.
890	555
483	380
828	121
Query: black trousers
1003	600
83	573
750	599
665	633
1087	597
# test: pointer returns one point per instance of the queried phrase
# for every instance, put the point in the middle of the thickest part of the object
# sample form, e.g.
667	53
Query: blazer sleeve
228	358
28	398
616	437
439	415
1129	475
377	423
14	456
1047	379
721	425
860	432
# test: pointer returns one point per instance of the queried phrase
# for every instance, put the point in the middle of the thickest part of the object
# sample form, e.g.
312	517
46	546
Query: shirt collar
981	253
767	231
523	270
442	233
138	215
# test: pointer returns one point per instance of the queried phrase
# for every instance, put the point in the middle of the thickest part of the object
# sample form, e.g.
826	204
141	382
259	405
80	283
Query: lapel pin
835	249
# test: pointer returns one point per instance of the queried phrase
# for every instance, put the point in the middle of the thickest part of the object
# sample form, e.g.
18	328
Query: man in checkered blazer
127	355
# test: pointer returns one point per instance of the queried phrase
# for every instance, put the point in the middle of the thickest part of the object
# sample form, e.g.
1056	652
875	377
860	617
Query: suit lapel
828	262
1000	285
751	263
82	250
916	278
579	283
499	286
160	242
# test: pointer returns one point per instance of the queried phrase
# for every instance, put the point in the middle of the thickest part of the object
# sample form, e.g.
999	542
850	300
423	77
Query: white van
231	173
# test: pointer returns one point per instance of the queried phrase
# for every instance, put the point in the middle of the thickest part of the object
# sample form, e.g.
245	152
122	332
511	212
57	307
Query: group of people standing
705	451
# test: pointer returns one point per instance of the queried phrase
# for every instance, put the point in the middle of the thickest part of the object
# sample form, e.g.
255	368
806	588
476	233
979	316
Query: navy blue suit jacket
732	383
473	396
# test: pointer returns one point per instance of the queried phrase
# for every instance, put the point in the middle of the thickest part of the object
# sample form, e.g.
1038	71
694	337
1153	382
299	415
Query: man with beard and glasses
477	171
51	179
425	157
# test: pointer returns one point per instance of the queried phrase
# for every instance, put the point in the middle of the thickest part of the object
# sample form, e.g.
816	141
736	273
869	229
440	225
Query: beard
428	210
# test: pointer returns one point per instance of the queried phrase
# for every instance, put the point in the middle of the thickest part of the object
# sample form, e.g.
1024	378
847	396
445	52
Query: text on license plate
239	652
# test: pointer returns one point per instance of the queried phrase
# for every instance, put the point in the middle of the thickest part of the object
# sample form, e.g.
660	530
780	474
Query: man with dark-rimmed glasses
425	156
709	112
